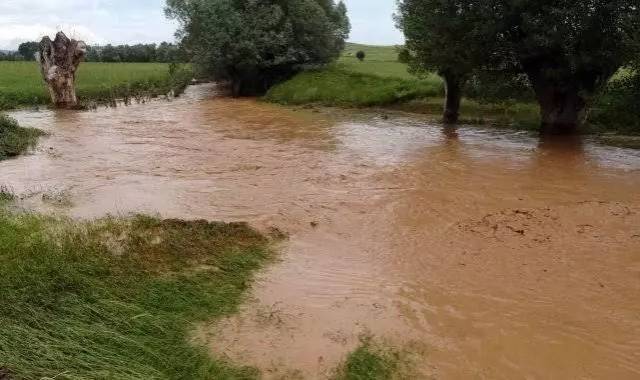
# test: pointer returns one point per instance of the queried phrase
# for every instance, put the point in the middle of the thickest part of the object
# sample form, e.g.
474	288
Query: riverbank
116	297
381	81
21	83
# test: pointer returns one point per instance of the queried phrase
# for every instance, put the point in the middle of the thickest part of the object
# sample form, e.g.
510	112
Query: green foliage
15	140
368	362
499	87
117	298
337	86
21	83
569	50
572	44
255	44
141	53
444	36
617	107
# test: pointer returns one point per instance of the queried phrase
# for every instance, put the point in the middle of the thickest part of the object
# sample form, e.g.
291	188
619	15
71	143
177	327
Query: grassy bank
338	86
21	83
372	362
15	140
116	298
381	81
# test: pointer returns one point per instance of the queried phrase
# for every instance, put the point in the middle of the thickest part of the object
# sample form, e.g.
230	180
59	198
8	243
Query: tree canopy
568	49
254	44
28	50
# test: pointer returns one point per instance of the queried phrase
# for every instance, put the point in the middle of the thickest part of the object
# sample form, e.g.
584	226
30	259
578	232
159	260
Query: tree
254	44
59	59
361	55
448	37
28	50
569	50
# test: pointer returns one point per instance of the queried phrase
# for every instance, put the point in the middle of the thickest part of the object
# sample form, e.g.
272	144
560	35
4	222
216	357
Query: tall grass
116	298
15	140
21	83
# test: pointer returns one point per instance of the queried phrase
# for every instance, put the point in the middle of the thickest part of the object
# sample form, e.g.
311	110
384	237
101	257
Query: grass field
21	83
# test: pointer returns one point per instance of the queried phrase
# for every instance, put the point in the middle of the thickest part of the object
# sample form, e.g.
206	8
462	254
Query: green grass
21	83
380	61
377	81
337	86
369	362
117	298
15	140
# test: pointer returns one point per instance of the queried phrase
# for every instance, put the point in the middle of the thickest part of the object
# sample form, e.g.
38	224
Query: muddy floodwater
487	254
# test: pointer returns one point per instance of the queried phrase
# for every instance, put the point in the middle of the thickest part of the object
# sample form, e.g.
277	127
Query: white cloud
14	34
94	21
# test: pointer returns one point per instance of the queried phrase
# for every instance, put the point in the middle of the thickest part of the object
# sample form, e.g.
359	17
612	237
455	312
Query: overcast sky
130	21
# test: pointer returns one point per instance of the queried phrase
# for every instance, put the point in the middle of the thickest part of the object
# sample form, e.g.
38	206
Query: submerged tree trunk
561	111
453	97
59	59
562	106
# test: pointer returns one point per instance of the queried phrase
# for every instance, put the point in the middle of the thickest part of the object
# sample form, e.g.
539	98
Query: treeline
165	53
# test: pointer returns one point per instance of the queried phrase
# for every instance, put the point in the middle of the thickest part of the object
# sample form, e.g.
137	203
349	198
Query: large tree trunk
59	59
562	108
453	97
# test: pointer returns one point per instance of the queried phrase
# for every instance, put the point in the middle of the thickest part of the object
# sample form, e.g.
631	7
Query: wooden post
59	59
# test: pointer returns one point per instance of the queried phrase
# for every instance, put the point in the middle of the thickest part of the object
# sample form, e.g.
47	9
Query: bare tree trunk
59	59
453	97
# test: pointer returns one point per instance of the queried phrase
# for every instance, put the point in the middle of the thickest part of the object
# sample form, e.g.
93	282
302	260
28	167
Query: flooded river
487	254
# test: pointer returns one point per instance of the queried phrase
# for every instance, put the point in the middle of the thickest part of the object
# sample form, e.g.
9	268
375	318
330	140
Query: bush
617	106
361	55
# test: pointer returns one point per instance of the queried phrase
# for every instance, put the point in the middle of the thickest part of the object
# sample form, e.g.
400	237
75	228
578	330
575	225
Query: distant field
21	83
380	60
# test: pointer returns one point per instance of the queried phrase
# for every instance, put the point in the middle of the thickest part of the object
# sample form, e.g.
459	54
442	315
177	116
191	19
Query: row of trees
568	50
164	52
252	45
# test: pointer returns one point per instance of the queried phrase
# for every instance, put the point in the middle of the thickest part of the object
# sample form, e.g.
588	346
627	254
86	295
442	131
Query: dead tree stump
59	59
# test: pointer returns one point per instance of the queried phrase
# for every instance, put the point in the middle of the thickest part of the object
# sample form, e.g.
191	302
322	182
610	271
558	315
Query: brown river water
487	254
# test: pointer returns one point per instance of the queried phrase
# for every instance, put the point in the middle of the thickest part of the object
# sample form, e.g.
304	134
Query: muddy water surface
488	254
